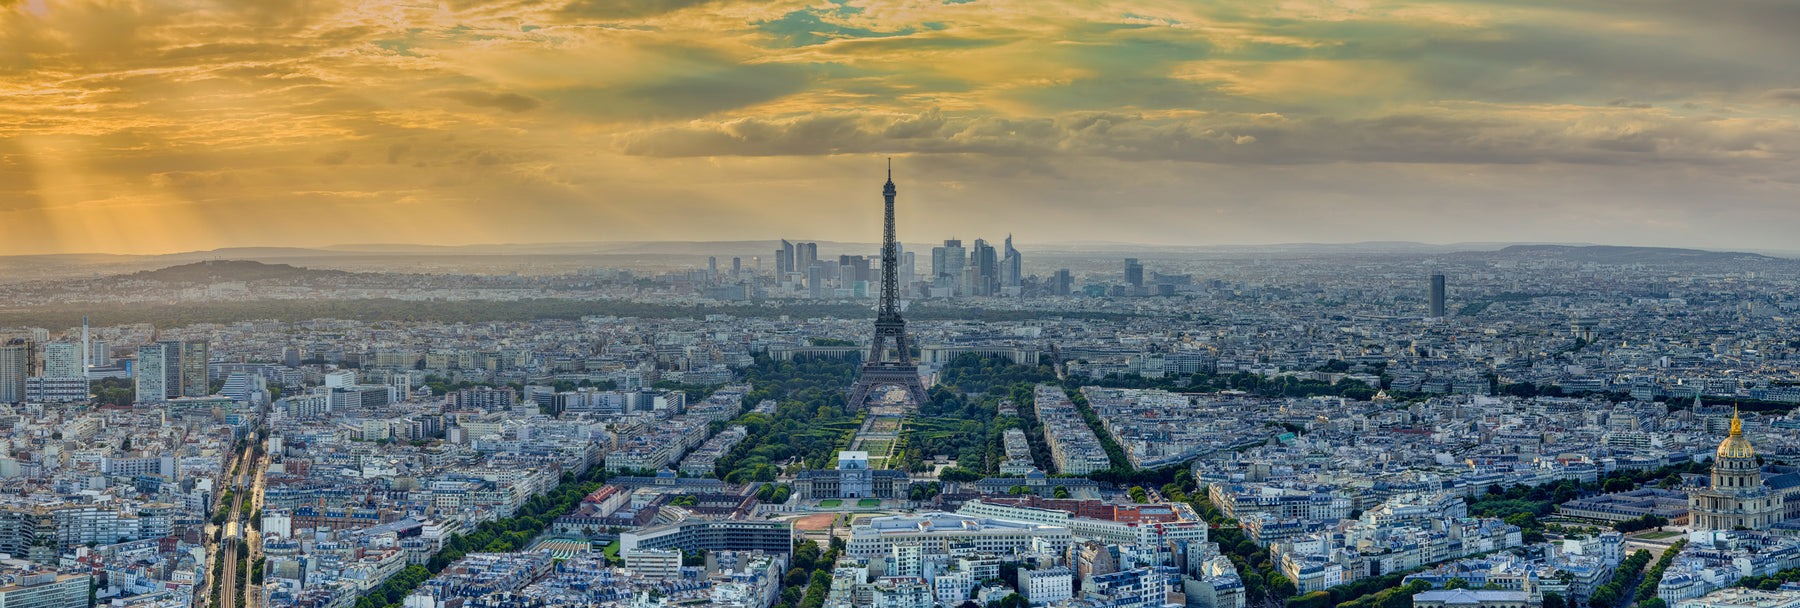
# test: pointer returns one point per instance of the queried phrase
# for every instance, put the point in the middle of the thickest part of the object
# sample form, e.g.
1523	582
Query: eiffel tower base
878	376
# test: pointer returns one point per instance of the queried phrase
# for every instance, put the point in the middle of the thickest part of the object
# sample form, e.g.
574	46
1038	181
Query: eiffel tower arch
879	371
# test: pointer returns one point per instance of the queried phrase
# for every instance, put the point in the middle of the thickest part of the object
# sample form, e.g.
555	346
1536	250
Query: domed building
1738	497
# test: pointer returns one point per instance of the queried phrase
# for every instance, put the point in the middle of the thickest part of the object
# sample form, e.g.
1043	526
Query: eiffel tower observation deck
882	373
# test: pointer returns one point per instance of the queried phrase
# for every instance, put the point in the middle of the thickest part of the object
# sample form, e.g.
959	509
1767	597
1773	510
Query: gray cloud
1397	138
1785	95
625	9
511	102
699	91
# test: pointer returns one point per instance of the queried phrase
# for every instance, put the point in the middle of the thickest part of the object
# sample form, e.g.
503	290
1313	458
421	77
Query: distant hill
1609	254
214	271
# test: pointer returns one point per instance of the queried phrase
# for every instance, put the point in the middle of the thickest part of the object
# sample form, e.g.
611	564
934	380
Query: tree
1253	585
1554	600
1280	587
959	475
1456	583
1060	491
1603	597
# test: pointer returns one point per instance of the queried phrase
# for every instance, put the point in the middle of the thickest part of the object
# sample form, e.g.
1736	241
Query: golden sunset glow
172	125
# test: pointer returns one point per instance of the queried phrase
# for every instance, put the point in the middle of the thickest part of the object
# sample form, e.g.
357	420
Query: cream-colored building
1737	597
1738	497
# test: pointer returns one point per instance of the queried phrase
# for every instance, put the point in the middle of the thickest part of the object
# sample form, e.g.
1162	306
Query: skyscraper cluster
795	258
1134	276
799	271
980	270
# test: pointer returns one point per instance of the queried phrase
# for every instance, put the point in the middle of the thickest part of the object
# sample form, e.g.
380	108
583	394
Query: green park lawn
831	502
869	502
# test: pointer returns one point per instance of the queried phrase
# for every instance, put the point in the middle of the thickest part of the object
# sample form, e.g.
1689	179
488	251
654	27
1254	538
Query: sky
155	126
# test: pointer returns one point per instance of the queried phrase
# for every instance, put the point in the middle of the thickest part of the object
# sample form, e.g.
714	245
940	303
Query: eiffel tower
878	371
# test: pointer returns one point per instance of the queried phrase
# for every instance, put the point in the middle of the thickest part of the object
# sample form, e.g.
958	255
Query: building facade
1738	498
713	535
38	587
852	479
16	363
1529	597
150	373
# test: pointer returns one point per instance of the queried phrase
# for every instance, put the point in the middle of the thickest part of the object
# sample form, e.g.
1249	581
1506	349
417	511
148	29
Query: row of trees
961	416
695	392
809	423
774	493
1523	505
1613	593
1393	596
1645	522
1518	505
1114	453
1646	591
240	599
812	420
808	581
1253	565
498	536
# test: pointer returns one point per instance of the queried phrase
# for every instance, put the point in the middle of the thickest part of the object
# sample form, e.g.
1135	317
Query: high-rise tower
16	363
151	371
63	360
878	371
1437	296
195	357
1011	274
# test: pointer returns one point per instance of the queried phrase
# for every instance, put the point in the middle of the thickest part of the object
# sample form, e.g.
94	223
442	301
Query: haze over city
899	304
160	126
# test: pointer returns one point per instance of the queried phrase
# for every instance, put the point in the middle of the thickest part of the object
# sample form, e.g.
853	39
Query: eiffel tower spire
890	255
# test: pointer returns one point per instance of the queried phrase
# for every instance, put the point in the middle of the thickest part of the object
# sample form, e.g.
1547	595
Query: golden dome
1736	446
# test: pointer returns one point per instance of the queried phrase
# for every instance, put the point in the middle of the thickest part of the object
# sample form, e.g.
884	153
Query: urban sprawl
1523	428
